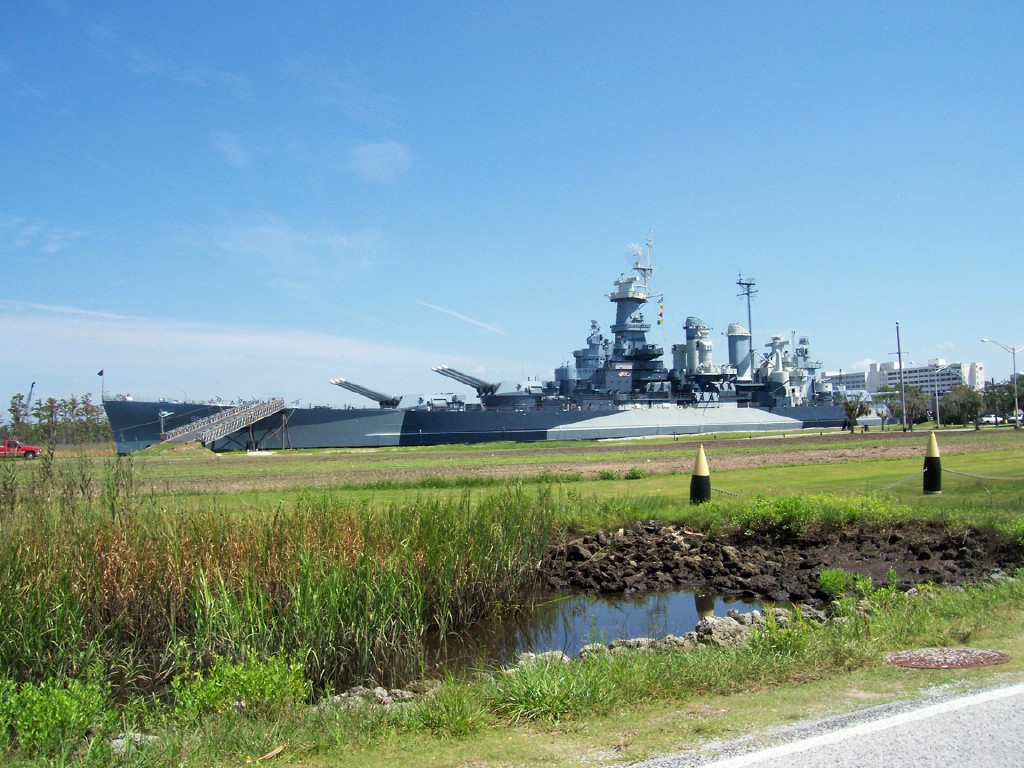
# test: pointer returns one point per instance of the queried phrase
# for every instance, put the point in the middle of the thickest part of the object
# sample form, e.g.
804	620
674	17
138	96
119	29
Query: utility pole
903	390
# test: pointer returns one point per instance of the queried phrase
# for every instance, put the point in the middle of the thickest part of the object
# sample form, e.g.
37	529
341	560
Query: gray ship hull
137	424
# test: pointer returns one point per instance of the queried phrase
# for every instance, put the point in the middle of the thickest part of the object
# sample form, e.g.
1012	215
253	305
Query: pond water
567	622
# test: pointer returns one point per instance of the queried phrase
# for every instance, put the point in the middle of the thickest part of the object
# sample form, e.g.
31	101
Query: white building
937	377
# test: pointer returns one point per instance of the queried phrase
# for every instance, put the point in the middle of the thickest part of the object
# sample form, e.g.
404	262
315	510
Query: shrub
48	718
837	583
635	473
252	687
1014	529
8	690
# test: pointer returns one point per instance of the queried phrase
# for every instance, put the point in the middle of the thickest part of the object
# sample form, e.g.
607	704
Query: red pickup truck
15	448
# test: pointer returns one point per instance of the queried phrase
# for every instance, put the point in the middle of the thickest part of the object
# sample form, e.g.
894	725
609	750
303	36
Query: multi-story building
935	378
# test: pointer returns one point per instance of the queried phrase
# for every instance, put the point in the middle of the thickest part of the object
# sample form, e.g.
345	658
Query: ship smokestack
739	346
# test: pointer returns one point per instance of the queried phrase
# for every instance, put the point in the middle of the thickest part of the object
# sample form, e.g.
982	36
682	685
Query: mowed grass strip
204	468
996	471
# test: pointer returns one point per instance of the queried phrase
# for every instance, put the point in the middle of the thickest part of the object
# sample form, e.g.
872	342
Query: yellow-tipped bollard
700	480
932	467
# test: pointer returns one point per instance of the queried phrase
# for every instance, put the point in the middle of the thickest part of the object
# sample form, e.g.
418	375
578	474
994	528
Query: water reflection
568	622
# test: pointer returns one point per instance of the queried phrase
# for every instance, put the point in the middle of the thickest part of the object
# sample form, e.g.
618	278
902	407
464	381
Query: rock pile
652	556
733	629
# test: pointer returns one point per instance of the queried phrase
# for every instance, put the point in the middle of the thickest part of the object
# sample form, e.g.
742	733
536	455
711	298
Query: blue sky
243	199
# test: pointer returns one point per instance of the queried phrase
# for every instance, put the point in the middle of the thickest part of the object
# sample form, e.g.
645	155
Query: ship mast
747	289
645	270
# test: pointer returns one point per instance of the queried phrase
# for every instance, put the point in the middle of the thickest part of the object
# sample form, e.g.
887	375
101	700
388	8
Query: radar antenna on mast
642	258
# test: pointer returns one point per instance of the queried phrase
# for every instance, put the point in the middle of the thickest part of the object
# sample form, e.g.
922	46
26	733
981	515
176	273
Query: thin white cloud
26	235
464	318
143	61
233	149
35	235
20	307
239	86
300	264
57	240
63	347
278	243
348	92
381	163
104	39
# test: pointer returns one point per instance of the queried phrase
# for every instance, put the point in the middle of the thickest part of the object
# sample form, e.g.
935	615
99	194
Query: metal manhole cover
946	658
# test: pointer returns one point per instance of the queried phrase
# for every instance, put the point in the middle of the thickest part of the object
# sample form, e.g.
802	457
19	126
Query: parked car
15	448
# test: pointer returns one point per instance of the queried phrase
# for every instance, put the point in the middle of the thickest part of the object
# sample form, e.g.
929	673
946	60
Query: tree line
960	405
67	421
999	398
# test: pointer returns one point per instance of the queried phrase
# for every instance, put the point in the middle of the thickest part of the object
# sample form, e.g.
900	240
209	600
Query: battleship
615	387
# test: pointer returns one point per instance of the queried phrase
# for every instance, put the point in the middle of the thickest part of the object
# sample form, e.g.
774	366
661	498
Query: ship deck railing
212	428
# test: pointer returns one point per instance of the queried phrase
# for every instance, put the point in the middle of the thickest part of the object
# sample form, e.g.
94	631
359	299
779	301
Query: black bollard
700	480
932	467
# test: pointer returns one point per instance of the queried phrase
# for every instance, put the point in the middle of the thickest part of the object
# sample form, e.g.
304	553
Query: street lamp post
163	415
935	389
1013	353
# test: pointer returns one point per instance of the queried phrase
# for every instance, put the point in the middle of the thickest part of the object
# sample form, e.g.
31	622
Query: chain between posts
728	493
907	480
904	480
983	477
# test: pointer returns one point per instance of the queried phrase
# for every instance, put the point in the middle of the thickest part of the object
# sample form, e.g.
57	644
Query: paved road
983	728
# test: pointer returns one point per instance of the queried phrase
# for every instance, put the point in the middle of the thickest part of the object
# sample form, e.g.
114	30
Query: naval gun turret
385	401
483	388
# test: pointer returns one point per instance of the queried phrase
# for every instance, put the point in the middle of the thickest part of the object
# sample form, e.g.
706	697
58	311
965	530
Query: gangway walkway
211	428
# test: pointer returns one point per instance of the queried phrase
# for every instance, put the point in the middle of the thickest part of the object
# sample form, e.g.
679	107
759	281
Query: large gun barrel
482	387
385	401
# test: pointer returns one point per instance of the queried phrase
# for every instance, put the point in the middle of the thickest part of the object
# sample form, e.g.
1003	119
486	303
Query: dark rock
578	553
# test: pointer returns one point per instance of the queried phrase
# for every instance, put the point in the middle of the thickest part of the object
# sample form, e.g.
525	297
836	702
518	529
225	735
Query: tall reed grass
110	585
